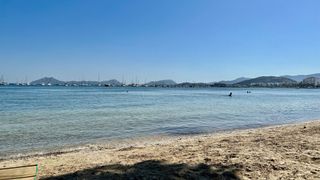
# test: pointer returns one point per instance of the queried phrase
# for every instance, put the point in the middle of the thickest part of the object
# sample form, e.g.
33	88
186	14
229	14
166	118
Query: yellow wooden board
20	173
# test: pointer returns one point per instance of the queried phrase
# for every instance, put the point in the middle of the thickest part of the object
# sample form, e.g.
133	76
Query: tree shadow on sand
153	169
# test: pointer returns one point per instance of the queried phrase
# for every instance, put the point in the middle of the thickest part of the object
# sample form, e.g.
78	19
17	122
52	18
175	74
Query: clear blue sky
184	40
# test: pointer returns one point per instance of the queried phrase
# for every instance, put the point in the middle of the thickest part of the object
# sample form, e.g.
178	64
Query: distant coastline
299	81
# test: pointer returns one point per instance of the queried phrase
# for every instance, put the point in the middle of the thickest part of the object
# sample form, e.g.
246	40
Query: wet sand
278	152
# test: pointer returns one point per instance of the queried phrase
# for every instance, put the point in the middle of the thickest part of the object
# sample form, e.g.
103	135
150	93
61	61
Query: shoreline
231	147
118	143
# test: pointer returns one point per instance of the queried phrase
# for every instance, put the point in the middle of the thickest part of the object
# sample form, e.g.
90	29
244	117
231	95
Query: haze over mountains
300	78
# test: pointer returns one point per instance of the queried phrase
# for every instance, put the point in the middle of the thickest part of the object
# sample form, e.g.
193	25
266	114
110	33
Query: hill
54	82
47	81
267	81
166	82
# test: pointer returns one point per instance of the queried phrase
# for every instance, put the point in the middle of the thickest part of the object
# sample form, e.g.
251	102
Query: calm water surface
39	118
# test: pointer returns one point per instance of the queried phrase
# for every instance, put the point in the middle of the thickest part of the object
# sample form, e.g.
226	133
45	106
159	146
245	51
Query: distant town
298	81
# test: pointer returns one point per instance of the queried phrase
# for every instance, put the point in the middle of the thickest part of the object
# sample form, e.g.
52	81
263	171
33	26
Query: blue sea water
38	118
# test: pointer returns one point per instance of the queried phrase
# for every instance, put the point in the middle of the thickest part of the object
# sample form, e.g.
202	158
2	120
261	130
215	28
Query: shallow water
42	118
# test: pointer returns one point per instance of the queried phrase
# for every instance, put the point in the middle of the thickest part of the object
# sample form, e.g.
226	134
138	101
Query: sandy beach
278	152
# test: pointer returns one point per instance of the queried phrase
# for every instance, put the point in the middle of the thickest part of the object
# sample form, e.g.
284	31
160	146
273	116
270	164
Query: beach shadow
153	169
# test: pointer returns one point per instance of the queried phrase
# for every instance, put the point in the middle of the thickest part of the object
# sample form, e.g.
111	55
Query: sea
37	119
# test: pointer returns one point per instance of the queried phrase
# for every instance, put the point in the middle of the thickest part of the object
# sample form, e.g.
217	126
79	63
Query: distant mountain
311	81
54	82
263	81
299	78
267	81
166	82
47	81
235	81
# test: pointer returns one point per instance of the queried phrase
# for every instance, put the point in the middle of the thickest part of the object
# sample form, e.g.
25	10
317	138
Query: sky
183	40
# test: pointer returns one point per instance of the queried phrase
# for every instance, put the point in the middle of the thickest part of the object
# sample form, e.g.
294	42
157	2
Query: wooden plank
19	173
30	178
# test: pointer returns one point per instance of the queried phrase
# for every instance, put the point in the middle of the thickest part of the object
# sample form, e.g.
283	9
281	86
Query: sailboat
2	83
